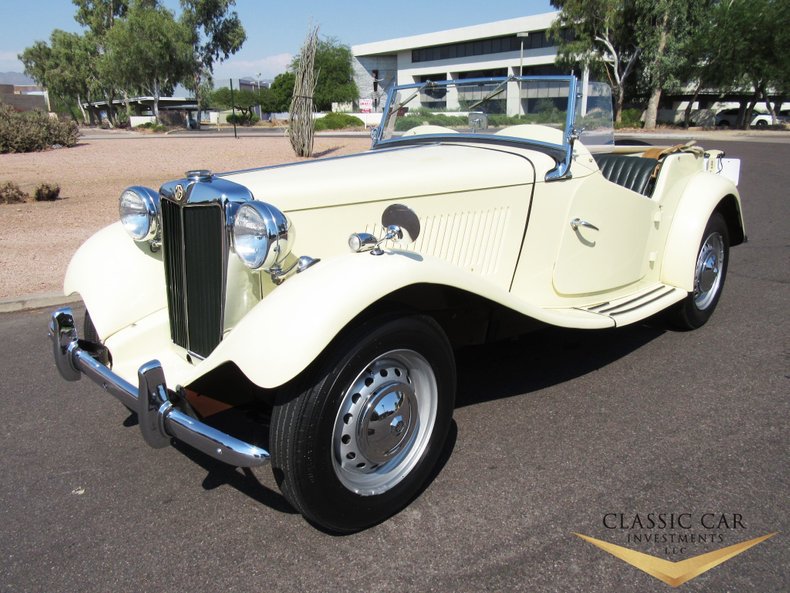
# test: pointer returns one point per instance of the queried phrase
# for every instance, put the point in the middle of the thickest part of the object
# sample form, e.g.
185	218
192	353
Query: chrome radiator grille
193	249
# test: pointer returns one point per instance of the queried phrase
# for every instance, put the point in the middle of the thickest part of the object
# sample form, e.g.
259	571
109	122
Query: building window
433	98
481	47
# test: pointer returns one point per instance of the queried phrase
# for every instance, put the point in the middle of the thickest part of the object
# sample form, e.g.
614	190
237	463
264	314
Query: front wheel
356	445
709	274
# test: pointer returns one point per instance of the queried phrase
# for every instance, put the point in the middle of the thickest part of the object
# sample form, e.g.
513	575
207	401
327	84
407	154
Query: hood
385	175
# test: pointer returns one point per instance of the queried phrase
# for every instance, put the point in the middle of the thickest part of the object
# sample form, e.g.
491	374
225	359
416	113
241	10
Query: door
604	239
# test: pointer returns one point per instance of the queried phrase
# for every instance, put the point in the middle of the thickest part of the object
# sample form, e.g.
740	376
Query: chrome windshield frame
554	150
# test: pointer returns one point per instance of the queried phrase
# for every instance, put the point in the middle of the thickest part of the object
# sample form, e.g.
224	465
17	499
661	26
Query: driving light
360	241
262	235
139	210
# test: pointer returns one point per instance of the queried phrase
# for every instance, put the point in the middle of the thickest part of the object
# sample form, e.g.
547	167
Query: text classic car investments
306	315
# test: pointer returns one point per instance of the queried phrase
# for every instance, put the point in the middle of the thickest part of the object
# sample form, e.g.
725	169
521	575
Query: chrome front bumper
159	420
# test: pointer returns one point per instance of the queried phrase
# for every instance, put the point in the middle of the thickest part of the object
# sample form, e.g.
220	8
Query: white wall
139	120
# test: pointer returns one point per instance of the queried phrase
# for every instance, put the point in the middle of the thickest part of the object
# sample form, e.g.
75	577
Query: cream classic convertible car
306	315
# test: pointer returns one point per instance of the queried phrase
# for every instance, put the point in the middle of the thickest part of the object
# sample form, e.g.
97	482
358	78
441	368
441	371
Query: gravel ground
37	239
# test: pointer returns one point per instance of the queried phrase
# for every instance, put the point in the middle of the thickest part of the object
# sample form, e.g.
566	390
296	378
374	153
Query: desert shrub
47	192
32	131
11	193
338	121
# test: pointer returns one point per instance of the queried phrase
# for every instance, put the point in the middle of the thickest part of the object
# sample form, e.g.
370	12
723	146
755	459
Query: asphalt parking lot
553	432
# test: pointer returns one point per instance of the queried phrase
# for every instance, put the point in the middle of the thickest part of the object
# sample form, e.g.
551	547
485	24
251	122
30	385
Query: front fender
119	280
290	328
702	196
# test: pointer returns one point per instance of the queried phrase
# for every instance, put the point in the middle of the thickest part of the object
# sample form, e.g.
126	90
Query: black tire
761	124
359	441
710	272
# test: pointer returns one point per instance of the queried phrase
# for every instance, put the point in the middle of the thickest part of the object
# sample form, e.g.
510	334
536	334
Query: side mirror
478	121
405	219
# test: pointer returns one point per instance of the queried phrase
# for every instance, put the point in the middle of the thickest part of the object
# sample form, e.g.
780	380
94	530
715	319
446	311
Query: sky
275	30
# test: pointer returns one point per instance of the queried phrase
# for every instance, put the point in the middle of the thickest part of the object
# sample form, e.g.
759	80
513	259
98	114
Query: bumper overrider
160	421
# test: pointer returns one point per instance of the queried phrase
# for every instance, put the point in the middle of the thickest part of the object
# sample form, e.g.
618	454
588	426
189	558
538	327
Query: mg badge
179	193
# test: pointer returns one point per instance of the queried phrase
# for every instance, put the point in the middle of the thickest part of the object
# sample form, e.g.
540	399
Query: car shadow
542	359
245	480
520	366
631	142
251	482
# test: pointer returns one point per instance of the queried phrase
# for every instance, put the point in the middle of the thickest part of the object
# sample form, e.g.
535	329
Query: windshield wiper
416	92
498	89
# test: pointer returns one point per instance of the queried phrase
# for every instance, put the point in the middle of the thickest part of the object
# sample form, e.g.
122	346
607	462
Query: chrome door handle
577	222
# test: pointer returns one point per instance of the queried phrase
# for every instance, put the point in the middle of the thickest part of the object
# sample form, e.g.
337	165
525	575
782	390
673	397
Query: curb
37	301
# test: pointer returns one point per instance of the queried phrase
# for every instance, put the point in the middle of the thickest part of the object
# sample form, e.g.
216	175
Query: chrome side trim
159	420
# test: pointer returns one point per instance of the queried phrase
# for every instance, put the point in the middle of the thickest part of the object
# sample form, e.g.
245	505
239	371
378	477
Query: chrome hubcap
707	277
384	422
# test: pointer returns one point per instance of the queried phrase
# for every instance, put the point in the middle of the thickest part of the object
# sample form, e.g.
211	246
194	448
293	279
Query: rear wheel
709	274
357	444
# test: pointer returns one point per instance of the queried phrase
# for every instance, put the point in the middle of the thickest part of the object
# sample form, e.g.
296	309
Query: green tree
752	41
66	67
98	16
278	99
216	33
243	100
697	61
334	74
601	38
663	31
148	50
37	60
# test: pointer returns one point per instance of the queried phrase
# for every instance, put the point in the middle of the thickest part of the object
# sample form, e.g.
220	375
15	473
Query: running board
638	306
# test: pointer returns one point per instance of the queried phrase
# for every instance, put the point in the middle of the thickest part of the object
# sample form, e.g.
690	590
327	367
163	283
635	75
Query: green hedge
32	131
338	121
631	118
153	126
494	120
242	119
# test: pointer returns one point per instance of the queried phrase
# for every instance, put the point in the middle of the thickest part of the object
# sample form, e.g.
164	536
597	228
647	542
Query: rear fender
704	194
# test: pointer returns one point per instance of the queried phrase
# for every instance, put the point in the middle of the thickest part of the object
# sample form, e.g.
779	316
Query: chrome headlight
139	210
262	235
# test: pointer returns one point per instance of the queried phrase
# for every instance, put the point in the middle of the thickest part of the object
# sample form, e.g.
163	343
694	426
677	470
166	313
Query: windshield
594	114
541	111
